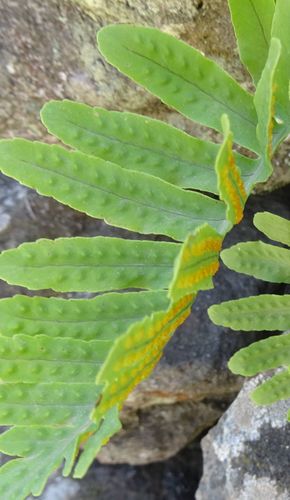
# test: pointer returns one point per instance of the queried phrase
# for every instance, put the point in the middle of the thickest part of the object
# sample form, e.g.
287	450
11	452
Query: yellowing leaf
231	187
135	354
196	263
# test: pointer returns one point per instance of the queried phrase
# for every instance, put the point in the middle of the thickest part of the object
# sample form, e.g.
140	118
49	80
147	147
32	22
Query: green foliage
69	364
253	25
264	312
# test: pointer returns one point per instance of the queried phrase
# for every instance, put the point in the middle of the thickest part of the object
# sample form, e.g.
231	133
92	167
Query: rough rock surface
48	51
246	456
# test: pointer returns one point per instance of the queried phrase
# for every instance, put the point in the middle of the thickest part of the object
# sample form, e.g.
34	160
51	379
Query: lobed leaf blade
266	354
280	30
128	199
275	227
230	185
252	21
264	100
197	263
93	264
135	354
274	389
104	317
181	77
257	313
137	142
258	259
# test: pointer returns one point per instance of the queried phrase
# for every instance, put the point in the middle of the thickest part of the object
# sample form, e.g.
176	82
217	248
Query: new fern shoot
67	365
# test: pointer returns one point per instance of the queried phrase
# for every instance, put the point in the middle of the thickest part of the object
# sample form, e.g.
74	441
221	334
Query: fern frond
280	29
264	261
89	264
102	318
275	227
43	449
230	185
178	75
197	263
263	312
135	354
274	389
252	21
263	355
128	199
138	143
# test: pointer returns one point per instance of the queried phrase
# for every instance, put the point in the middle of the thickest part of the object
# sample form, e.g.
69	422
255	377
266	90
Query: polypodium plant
263	312
68	365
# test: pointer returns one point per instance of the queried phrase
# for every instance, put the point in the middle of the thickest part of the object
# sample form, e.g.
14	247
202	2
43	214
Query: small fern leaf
281	31
128	199
263	312
42	450
102	318
138	143
255	258
230	185
274	389
181	76
275	227
197	263
252	22
261	356
40	358
265	105
109	426
135	142
89	264
135	354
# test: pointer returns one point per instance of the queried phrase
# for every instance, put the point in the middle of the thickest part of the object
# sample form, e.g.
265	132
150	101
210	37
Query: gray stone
246	456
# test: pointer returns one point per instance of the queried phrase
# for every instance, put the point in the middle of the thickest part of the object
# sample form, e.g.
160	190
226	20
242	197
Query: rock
48	51
246	456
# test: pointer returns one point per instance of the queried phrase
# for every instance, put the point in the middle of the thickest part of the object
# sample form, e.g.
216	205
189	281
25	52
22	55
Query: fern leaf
230	185
89	264
265	262
135	142
252	20
197	263
135	354
275	227
274	389
263	312
265	105
36	359
281	30
128	199
43	449
103	318
138	143
181	76
109	426
46	404
262	355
